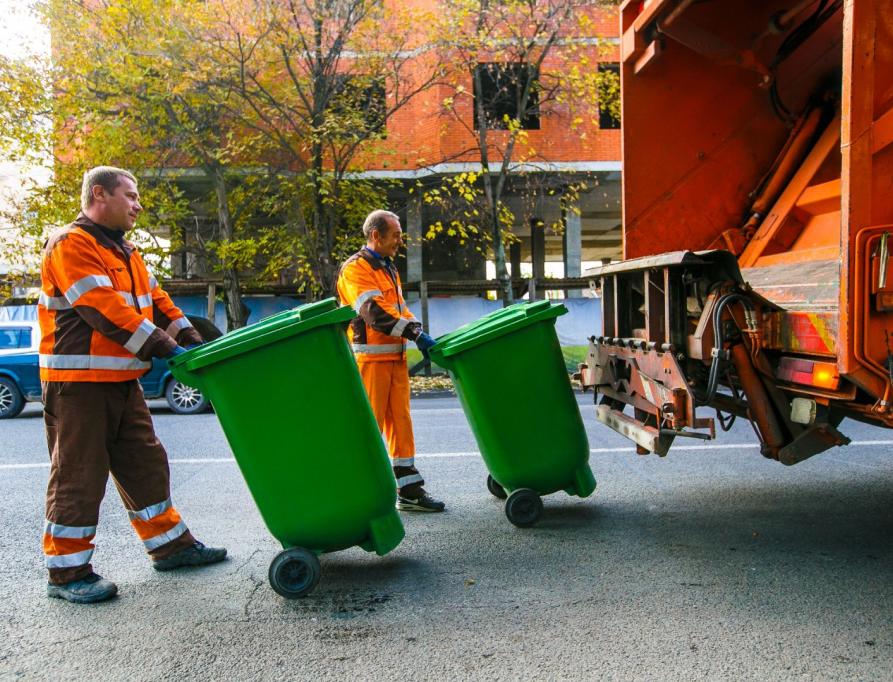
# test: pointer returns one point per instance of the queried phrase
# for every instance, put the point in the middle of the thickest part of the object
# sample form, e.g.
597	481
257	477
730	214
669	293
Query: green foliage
261	113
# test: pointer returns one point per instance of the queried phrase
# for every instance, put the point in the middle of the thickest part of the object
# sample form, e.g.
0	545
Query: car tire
184	399
11	399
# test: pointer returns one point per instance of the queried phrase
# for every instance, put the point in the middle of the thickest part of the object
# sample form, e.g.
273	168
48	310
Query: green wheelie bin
513	385
291	403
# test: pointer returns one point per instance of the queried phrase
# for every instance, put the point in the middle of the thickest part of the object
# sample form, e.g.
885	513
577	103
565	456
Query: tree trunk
323	230
502	276
236	311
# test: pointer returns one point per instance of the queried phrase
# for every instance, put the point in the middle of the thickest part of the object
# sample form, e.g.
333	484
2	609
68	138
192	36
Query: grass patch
573	356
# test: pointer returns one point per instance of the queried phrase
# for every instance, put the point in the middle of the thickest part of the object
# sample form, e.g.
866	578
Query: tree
140	67
130	88
321	80
31	135
523	64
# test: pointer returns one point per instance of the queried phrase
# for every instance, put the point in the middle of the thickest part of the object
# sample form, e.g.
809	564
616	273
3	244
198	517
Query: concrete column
515	259
538	248
573	249
414	240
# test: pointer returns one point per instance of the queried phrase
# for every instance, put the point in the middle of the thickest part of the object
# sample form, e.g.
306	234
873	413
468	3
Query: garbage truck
756	280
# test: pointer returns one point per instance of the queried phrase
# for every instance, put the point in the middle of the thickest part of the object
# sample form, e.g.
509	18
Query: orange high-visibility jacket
371	285
102	315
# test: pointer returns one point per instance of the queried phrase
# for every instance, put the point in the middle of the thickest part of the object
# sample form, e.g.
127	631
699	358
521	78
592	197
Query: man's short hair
378	220
108	177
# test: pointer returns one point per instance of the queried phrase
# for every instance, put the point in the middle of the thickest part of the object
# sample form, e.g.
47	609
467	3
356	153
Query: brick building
427	144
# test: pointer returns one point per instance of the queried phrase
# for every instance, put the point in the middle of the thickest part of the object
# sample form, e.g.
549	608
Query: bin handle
184	376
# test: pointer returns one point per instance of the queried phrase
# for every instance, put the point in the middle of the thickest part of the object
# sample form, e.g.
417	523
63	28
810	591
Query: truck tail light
809	372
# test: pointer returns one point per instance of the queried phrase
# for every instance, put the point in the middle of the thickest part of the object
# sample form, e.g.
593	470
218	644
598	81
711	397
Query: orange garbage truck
756	280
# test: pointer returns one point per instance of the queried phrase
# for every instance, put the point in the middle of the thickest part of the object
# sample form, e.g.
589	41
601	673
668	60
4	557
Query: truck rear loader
757	221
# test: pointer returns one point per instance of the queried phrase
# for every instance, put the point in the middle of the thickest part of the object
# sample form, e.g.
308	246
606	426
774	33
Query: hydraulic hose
719	354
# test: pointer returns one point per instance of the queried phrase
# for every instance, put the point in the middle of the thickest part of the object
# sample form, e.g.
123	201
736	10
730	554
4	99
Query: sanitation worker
368	281
103	318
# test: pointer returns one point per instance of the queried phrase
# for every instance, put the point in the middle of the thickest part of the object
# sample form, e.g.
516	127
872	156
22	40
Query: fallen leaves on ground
423	384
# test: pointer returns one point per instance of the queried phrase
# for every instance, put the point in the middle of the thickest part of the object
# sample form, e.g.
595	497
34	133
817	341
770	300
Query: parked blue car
20	374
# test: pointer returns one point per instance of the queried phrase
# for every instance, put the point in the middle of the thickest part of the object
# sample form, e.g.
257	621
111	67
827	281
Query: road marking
475	453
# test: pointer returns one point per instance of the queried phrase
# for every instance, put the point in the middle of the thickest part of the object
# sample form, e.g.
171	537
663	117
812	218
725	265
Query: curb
433	394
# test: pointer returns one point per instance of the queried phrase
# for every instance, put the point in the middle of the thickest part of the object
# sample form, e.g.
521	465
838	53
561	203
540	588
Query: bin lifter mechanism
708	354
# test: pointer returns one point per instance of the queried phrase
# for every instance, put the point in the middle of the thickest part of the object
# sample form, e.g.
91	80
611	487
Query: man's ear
98	192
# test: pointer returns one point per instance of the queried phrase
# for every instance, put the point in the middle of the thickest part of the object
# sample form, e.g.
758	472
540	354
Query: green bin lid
494	325
264	321
269	330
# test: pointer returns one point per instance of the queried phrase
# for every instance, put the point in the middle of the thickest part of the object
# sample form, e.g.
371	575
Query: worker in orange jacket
103	318
369	282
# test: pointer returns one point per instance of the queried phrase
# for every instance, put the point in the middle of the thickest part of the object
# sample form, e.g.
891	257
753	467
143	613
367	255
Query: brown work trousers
92	429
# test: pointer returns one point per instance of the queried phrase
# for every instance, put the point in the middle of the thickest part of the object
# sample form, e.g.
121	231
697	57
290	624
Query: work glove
424	343
178	350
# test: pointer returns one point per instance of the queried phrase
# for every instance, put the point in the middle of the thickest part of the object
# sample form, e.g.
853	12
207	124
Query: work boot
422	503
87	590
197	555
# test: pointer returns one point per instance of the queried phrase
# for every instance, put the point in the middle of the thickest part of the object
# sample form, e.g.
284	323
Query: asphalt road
712	563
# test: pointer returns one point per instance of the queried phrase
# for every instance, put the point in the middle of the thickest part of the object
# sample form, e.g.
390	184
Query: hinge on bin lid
539	306
313	309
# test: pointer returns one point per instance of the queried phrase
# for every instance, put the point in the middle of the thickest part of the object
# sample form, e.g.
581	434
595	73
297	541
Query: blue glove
424	343
178	350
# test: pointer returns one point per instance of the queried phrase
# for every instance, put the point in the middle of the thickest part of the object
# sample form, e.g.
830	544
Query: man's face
118	210
389	243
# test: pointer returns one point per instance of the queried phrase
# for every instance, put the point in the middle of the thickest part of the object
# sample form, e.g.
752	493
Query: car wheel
184	399
11	399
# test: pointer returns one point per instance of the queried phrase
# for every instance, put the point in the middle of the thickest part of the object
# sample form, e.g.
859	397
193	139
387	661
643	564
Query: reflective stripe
91	362
127	296
403	461
378	348
177	325
164	538
53	302
399	327
365	296
153	283
85	284
151	511
77	532
404	481
140	336
68	560
144	301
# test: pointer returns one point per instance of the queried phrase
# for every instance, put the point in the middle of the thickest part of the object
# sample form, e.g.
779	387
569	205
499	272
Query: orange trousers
387	384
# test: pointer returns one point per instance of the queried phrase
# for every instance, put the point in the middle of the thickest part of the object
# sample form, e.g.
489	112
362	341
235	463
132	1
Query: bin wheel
495	489
294	572
524	507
